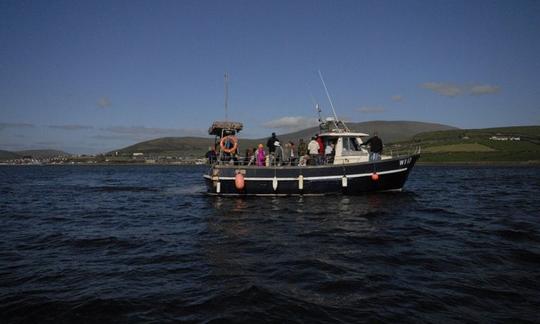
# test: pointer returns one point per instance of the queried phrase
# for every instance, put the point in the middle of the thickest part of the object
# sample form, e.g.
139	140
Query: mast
328	95
226	96
336	120
318	112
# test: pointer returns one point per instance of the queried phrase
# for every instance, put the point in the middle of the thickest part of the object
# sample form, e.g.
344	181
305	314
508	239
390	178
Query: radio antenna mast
336	120
226	95
328	95
316	105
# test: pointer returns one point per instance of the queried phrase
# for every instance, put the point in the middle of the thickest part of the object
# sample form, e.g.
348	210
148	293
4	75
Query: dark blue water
144	244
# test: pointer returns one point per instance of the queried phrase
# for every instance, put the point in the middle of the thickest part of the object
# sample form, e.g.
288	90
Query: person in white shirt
313	150
329	148
329	153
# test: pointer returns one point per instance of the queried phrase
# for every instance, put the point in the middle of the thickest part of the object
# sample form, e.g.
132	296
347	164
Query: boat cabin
348	147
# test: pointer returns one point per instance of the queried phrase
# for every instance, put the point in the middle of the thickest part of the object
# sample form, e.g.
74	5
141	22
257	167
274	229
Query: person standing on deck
375	147
211	155
261	157
313	149
321	144
302	148
286	153
270	143
321	149
292	155
329	152
249	155
278	154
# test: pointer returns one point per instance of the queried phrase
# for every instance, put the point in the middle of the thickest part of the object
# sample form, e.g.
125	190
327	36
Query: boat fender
218	187
274	183
215	176
301	182
344	181
374	176
231	138
239	181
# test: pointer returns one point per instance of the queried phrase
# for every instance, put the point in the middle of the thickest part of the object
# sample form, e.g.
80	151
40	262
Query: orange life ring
233	148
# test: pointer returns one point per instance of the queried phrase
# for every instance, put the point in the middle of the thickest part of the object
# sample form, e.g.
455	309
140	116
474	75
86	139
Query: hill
35	154
503	144
42	154
390	131
173	146
7	155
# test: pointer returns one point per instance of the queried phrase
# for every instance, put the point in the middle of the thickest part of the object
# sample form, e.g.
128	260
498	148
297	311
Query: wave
123	188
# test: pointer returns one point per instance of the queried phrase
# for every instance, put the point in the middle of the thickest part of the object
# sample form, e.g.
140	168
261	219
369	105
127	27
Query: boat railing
271	161
398	150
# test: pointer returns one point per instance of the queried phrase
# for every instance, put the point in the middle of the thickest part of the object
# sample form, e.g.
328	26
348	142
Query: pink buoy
374	176
239	181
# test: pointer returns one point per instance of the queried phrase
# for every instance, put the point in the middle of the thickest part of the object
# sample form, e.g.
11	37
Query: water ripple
145	244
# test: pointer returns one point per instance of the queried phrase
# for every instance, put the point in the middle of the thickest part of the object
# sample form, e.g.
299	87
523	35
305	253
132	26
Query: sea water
145	244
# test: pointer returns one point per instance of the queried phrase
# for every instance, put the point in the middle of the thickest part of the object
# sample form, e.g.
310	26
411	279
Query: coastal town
102	159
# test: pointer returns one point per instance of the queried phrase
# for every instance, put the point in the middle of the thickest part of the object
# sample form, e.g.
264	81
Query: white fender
218	187
274	183
301	182
344	181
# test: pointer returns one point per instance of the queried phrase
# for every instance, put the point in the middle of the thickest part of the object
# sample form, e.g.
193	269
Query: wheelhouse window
350	145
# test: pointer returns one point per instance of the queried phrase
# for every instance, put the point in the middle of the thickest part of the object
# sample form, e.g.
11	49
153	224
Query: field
508	144
465	147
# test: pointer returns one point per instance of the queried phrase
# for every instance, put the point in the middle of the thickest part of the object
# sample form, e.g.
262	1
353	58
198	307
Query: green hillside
42	154
390	131
505	144
173	146
35	154
7	155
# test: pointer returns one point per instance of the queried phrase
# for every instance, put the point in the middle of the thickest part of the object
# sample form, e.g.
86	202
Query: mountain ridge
389	131
35	154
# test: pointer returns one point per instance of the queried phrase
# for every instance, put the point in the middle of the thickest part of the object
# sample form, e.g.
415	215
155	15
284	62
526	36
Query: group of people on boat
316	152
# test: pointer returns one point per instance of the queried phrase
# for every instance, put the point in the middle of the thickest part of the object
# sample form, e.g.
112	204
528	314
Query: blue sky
91	76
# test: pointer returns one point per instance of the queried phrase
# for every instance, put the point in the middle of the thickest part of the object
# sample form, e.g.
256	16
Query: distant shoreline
481	163
419	163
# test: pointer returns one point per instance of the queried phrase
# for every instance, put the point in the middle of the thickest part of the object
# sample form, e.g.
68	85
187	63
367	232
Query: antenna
336	120
318	108
226	95
315	104
328	95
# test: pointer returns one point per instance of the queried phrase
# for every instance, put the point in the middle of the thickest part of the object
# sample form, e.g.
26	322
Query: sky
94	76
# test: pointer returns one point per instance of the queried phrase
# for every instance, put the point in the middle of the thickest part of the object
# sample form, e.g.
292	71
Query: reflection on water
275	217
295	228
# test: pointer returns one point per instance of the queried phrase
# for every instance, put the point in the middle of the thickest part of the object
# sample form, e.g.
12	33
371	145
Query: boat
349	171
